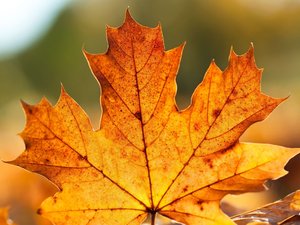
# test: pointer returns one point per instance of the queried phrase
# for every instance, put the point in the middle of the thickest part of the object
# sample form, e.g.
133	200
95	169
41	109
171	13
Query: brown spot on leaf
142	39
223	151
80	157
209	162
199	202
165	169
39	211
216	112
234	93
185	189
138	115
197	126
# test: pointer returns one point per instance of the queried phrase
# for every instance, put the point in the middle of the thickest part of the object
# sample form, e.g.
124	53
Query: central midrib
142	126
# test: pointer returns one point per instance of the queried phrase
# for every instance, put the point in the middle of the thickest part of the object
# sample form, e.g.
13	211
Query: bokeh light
24	22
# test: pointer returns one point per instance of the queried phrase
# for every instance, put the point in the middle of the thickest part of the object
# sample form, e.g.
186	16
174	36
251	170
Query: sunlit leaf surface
147	157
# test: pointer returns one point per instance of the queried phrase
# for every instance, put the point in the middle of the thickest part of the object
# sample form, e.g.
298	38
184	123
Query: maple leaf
148	157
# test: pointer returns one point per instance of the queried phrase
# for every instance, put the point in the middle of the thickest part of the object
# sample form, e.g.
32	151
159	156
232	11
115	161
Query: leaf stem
153	218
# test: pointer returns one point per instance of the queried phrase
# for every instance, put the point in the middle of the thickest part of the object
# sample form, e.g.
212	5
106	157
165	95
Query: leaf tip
181	46
232	53
128	17
296	152
87	55
28	109
62	89
63	93
213	66
23	103
84	51
250	51
128	21
281	100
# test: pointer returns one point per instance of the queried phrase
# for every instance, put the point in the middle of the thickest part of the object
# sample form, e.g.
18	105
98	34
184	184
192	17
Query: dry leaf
4	217
148	157
283	212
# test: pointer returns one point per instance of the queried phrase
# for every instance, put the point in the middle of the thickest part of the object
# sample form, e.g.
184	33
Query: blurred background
41	46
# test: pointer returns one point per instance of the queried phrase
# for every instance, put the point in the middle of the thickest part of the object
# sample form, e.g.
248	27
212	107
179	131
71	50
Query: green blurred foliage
210	28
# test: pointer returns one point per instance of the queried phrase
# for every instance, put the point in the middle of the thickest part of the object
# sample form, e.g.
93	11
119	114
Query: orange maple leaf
148	157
